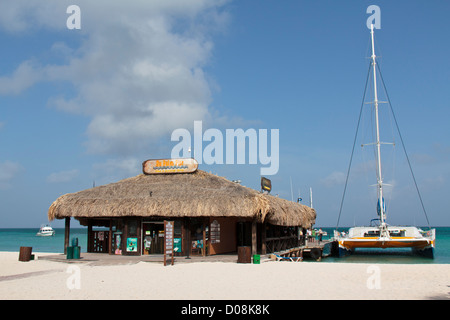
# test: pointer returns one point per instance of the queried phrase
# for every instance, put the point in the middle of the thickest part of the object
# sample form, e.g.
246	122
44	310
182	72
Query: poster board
215	232
132	244
168	240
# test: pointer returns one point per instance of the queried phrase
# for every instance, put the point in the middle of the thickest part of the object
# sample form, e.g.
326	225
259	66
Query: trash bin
244	255
25	254
256	259
69	252
76	252
74	242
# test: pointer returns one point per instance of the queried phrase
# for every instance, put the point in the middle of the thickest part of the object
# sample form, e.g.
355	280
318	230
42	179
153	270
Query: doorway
244	234
153	237
132	237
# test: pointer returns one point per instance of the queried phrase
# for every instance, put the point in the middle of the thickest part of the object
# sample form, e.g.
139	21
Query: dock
312	250
315	250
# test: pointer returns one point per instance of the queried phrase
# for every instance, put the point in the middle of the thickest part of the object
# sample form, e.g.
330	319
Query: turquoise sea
12	239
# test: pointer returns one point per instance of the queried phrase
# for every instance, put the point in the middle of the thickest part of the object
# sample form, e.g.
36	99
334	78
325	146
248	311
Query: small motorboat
45	231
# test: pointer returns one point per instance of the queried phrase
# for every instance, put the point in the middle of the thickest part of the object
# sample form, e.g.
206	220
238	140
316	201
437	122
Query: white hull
45	234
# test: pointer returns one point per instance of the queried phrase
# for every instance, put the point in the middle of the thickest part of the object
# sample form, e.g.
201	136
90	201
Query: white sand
43	279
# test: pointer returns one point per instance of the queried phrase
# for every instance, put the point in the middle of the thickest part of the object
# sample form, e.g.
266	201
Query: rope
353	148
404	148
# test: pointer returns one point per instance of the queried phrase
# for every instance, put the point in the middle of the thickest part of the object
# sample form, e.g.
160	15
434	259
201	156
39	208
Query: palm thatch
198	194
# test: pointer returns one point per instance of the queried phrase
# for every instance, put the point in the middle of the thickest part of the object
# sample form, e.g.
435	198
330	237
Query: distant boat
384	235
45	231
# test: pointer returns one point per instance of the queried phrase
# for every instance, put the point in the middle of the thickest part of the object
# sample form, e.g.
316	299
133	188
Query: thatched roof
198	194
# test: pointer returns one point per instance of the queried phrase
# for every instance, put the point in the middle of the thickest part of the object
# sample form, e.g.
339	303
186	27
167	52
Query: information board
168	240
215	232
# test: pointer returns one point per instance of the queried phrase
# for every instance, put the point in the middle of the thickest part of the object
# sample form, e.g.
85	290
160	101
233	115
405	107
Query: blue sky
78	106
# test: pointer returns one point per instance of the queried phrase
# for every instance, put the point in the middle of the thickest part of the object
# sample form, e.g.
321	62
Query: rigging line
354	143
404	148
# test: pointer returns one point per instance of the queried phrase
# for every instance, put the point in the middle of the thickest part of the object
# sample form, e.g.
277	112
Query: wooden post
188	238
66	234
263	239
110	237
90	244
168	240
204	239
183	237
254	237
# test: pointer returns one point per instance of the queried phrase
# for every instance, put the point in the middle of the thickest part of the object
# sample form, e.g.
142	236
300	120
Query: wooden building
212	215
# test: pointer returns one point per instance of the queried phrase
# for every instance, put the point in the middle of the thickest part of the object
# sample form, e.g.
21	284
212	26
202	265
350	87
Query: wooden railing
281	243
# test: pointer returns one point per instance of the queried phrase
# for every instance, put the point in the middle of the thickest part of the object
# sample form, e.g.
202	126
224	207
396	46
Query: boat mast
378	143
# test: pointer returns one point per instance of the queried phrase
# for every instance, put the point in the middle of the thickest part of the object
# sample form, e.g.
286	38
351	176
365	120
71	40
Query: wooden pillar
263	239
254	237
187	245
90	242
110	237
66	234
183	238
204	238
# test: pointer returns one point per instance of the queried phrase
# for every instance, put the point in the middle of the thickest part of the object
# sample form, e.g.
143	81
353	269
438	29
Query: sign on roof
266	184
187	165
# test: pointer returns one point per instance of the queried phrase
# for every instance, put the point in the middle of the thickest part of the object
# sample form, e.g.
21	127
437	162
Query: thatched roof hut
199	194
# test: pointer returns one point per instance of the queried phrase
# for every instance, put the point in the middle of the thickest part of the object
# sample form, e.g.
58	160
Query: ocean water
12	239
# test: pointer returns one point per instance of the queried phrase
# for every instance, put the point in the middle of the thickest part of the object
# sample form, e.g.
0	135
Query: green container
256	259
76	252
69	252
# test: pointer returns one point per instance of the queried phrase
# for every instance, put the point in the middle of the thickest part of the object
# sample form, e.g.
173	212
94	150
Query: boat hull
47	234
351	244
422	247
425	252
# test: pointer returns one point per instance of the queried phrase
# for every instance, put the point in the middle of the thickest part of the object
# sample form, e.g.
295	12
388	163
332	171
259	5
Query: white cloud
23	77
138	72
62	176
333	179
18	16
8	170
113	170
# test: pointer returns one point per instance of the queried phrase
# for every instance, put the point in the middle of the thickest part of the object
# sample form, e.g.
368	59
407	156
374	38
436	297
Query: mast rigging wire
354	143
404	148
401	139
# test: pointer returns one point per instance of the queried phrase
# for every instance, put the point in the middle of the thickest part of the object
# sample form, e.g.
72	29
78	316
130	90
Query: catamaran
382	235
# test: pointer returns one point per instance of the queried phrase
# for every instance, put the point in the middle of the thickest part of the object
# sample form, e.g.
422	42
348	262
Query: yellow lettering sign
169	166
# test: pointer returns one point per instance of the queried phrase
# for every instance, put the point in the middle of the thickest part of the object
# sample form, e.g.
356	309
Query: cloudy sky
84	106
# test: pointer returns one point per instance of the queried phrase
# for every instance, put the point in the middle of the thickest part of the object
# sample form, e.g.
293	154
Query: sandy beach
42	279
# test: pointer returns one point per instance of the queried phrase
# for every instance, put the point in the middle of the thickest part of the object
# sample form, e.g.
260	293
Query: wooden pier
314	250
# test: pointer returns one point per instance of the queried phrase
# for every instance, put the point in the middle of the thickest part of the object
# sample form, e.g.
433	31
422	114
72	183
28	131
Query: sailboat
383	235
